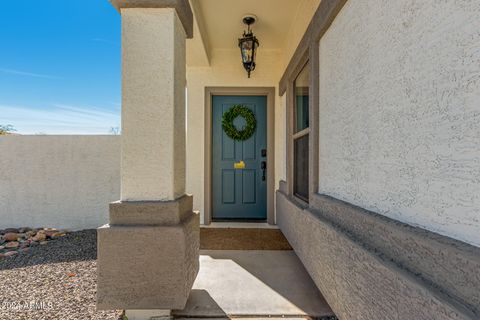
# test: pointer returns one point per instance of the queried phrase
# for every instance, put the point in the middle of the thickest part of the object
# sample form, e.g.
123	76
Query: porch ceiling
218	25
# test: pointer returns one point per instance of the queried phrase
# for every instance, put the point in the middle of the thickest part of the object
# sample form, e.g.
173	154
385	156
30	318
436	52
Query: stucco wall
226	70
58	181
362	282
400	112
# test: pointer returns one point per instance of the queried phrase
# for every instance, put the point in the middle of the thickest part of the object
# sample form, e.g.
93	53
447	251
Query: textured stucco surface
153	105
359	282
132	213
400	112
450	265
58	181
132	275
182	7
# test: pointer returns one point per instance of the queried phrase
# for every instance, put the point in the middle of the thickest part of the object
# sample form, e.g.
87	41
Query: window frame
303	64
308	49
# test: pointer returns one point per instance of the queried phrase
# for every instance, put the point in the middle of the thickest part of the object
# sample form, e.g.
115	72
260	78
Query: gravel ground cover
54	281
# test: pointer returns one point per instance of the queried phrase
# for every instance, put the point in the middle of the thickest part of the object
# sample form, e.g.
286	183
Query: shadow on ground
200	303
75	246
254	283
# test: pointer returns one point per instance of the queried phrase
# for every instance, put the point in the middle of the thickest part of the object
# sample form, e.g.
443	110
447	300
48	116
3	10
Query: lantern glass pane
247	52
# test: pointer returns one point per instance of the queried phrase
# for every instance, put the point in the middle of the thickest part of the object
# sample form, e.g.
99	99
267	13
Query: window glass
301	100
300	187
301	136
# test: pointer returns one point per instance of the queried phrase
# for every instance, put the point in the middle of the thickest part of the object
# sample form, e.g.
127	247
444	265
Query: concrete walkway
254	284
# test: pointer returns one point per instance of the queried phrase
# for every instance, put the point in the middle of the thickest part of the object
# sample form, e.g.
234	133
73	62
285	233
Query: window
301	135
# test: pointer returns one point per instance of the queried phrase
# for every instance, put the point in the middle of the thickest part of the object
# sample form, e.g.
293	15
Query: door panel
239	193
249	186
228	189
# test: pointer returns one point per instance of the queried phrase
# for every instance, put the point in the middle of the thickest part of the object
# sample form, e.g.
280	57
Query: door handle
264	168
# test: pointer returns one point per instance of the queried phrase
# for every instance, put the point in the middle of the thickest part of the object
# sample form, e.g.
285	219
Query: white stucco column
151	279
153	104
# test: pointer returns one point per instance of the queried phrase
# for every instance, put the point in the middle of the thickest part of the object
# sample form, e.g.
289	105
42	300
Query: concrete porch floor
253	284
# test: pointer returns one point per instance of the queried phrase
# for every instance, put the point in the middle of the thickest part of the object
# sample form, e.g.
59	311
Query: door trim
269	92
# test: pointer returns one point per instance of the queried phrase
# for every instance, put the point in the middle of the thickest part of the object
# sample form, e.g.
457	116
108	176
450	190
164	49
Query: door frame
268	92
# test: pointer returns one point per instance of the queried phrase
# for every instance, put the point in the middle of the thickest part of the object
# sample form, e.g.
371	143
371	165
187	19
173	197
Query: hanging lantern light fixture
248	45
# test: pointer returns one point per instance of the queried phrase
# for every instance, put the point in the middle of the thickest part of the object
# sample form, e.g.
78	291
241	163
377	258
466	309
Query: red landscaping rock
30	234
10	236
39	237
50	233
12	245
57	235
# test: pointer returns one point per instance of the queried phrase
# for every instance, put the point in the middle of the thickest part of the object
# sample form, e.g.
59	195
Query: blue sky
60	66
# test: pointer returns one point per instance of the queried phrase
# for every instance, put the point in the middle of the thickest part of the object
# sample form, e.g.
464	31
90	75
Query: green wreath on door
232	131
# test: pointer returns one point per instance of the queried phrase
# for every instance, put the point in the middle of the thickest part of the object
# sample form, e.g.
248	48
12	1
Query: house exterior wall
226	70
397	87
399	112
58	181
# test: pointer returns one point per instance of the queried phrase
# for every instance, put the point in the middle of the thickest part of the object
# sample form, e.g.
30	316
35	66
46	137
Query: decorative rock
12	245
11	230
24	249
50	233
25	229
39	237
10	253
21	235
43	242
24	245
2	256
57	235
30	234
2	247
10	236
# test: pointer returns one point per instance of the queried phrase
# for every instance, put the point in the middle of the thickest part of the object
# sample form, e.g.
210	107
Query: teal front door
239	192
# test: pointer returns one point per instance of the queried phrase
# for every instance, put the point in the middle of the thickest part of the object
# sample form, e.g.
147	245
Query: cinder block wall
58	181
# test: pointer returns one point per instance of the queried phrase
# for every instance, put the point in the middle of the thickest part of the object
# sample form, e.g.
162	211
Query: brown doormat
242	239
